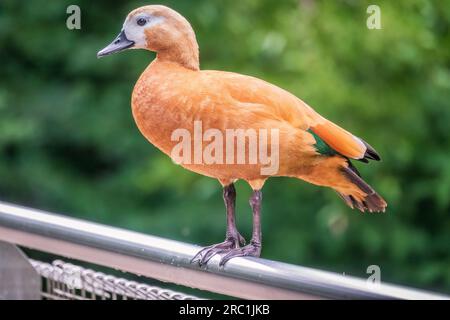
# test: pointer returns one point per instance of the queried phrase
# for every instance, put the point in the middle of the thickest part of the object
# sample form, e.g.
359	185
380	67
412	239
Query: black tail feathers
372	202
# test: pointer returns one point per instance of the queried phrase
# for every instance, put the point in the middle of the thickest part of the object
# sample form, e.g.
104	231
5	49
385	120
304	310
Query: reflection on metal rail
169	261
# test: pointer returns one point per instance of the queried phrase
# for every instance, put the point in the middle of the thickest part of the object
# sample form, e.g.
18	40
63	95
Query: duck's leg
254	247
232	238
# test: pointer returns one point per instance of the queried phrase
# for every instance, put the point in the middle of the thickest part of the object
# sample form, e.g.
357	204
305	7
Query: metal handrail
169	261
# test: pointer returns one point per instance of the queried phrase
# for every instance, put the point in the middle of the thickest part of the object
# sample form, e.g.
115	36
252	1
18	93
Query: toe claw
224	260
195	259
208	256
199	255
204	255
251	250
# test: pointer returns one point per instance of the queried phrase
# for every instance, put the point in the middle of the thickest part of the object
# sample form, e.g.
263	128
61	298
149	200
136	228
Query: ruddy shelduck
173	93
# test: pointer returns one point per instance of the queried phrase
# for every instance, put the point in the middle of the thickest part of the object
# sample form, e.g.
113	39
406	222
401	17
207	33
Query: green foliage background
68	142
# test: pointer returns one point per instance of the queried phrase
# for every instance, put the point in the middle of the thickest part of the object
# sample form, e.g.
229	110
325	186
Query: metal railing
169	261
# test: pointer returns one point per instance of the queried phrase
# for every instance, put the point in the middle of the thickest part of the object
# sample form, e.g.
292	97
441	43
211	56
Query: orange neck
183	52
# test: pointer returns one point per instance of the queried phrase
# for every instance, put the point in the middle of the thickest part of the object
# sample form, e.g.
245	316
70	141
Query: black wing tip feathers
371	153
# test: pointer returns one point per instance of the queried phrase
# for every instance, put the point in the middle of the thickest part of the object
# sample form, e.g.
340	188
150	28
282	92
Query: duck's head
160	29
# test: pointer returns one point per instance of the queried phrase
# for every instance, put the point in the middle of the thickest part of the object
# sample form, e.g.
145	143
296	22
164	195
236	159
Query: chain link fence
66	281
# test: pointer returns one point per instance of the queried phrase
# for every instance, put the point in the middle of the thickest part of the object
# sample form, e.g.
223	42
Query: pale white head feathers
134	28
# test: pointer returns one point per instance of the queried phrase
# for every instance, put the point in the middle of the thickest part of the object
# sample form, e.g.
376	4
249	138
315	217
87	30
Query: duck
174	101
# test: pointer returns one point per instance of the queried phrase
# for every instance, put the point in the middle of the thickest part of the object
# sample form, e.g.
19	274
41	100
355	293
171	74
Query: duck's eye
141	21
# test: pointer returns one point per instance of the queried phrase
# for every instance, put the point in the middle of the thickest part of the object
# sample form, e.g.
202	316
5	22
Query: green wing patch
321	146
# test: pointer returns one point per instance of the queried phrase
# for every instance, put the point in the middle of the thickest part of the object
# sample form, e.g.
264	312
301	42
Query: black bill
119	44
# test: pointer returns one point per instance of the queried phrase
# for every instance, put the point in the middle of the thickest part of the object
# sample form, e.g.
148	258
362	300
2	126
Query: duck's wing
343	141
271	101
